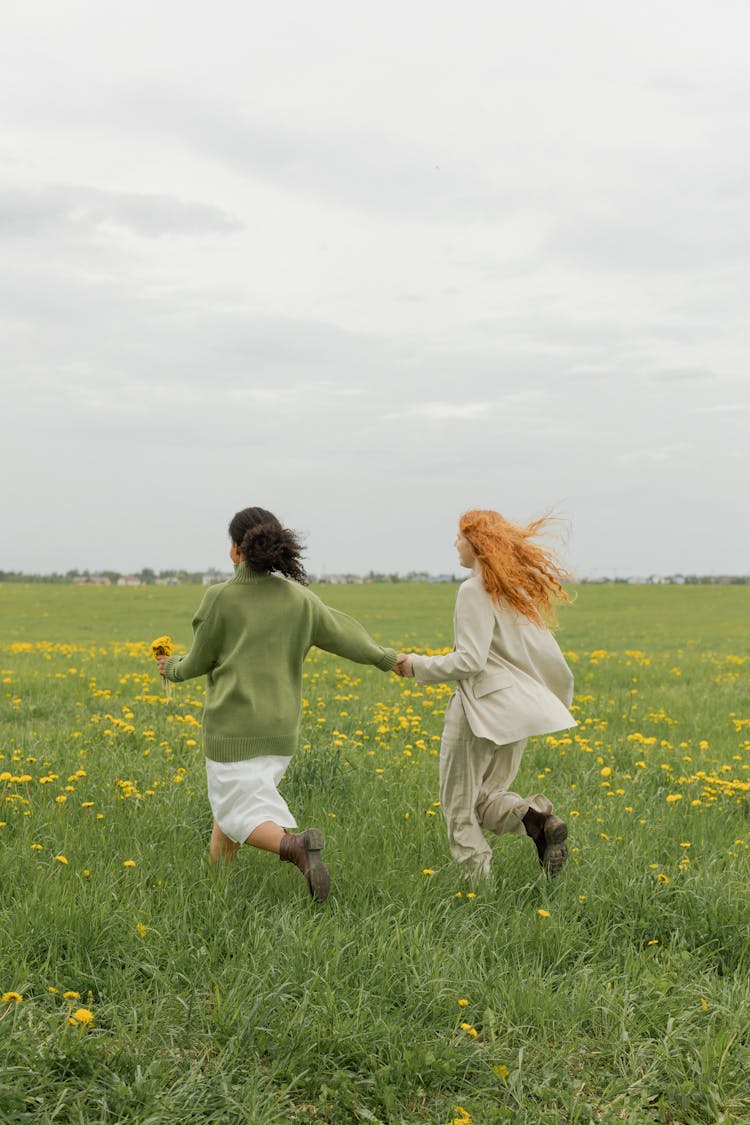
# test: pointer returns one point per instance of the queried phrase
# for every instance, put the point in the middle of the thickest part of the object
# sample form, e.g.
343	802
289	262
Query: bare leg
222	848
267	836
303	850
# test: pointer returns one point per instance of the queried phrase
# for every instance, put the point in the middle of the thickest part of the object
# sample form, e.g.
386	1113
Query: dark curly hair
266	545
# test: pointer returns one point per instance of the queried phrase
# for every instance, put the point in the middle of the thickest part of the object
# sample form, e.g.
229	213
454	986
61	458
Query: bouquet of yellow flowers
163	646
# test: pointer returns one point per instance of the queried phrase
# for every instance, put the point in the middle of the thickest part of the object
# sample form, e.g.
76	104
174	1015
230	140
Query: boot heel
555	830
314	840
318	879
555	854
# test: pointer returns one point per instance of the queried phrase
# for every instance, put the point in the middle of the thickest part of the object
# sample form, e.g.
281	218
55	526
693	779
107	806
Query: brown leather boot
304	850
549	834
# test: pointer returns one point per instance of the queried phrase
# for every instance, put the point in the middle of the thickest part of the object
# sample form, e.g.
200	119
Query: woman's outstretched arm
474	625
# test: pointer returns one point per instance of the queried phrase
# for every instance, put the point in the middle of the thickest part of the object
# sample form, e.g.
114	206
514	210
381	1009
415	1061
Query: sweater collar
245	574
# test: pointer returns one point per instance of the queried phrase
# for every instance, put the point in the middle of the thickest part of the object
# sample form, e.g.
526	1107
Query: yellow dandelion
162	646
462	1003
543	913
427	871
471	894
671	797
141	930
72	995
11	998
501	1071
129	863
662	877
80	1017
61	859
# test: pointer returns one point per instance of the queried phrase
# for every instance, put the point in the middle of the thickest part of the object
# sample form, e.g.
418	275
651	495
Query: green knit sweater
250	638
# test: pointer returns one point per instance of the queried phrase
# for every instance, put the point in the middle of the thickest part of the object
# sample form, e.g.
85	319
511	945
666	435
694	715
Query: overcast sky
369	266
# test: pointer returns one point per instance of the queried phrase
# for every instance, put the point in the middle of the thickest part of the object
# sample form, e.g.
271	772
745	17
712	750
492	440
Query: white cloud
37	210
458	411
731	408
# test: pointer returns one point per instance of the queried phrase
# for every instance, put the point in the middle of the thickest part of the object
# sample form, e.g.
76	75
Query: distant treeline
678	580
149	577
145	577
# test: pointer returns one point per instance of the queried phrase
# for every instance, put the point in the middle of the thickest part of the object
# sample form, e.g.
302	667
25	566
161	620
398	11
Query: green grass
228	997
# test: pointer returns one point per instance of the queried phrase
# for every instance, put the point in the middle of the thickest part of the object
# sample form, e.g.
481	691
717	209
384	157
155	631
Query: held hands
404	666
161	661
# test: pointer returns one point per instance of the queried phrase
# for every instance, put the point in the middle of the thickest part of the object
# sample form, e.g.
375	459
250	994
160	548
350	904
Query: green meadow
140	985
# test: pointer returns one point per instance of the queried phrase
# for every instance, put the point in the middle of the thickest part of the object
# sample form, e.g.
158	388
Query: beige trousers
475	775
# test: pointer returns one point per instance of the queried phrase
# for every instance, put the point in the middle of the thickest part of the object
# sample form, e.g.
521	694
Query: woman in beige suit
512	683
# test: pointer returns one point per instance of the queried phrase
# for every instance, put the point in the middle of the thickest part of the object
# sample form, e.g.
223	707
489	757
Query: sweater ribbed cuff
388	661
170	667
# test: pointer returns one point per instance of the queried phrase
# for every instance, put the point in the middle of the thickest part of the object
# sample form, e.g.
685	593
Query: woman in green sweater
250	638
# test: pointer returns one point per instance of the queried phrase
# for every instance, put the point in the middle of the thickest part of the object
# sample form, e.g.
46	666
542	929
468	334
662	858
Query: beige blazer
512	677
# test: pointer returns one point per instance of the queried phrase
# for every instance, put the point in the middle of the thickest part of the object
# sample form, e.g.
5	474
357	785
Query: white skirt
244	794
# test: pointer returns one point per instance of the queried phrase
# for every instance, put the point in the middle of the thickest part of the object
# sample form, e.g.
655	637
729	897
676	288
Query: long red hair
515	570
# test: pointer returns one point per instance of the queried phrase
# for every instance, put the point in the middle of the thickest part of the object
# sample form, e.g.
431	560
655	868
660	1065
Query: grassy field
618	993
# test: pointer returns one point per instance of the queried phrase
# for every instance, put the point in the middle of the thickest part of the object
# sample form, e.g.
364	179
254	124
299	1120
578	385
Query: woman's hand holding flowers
161	650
